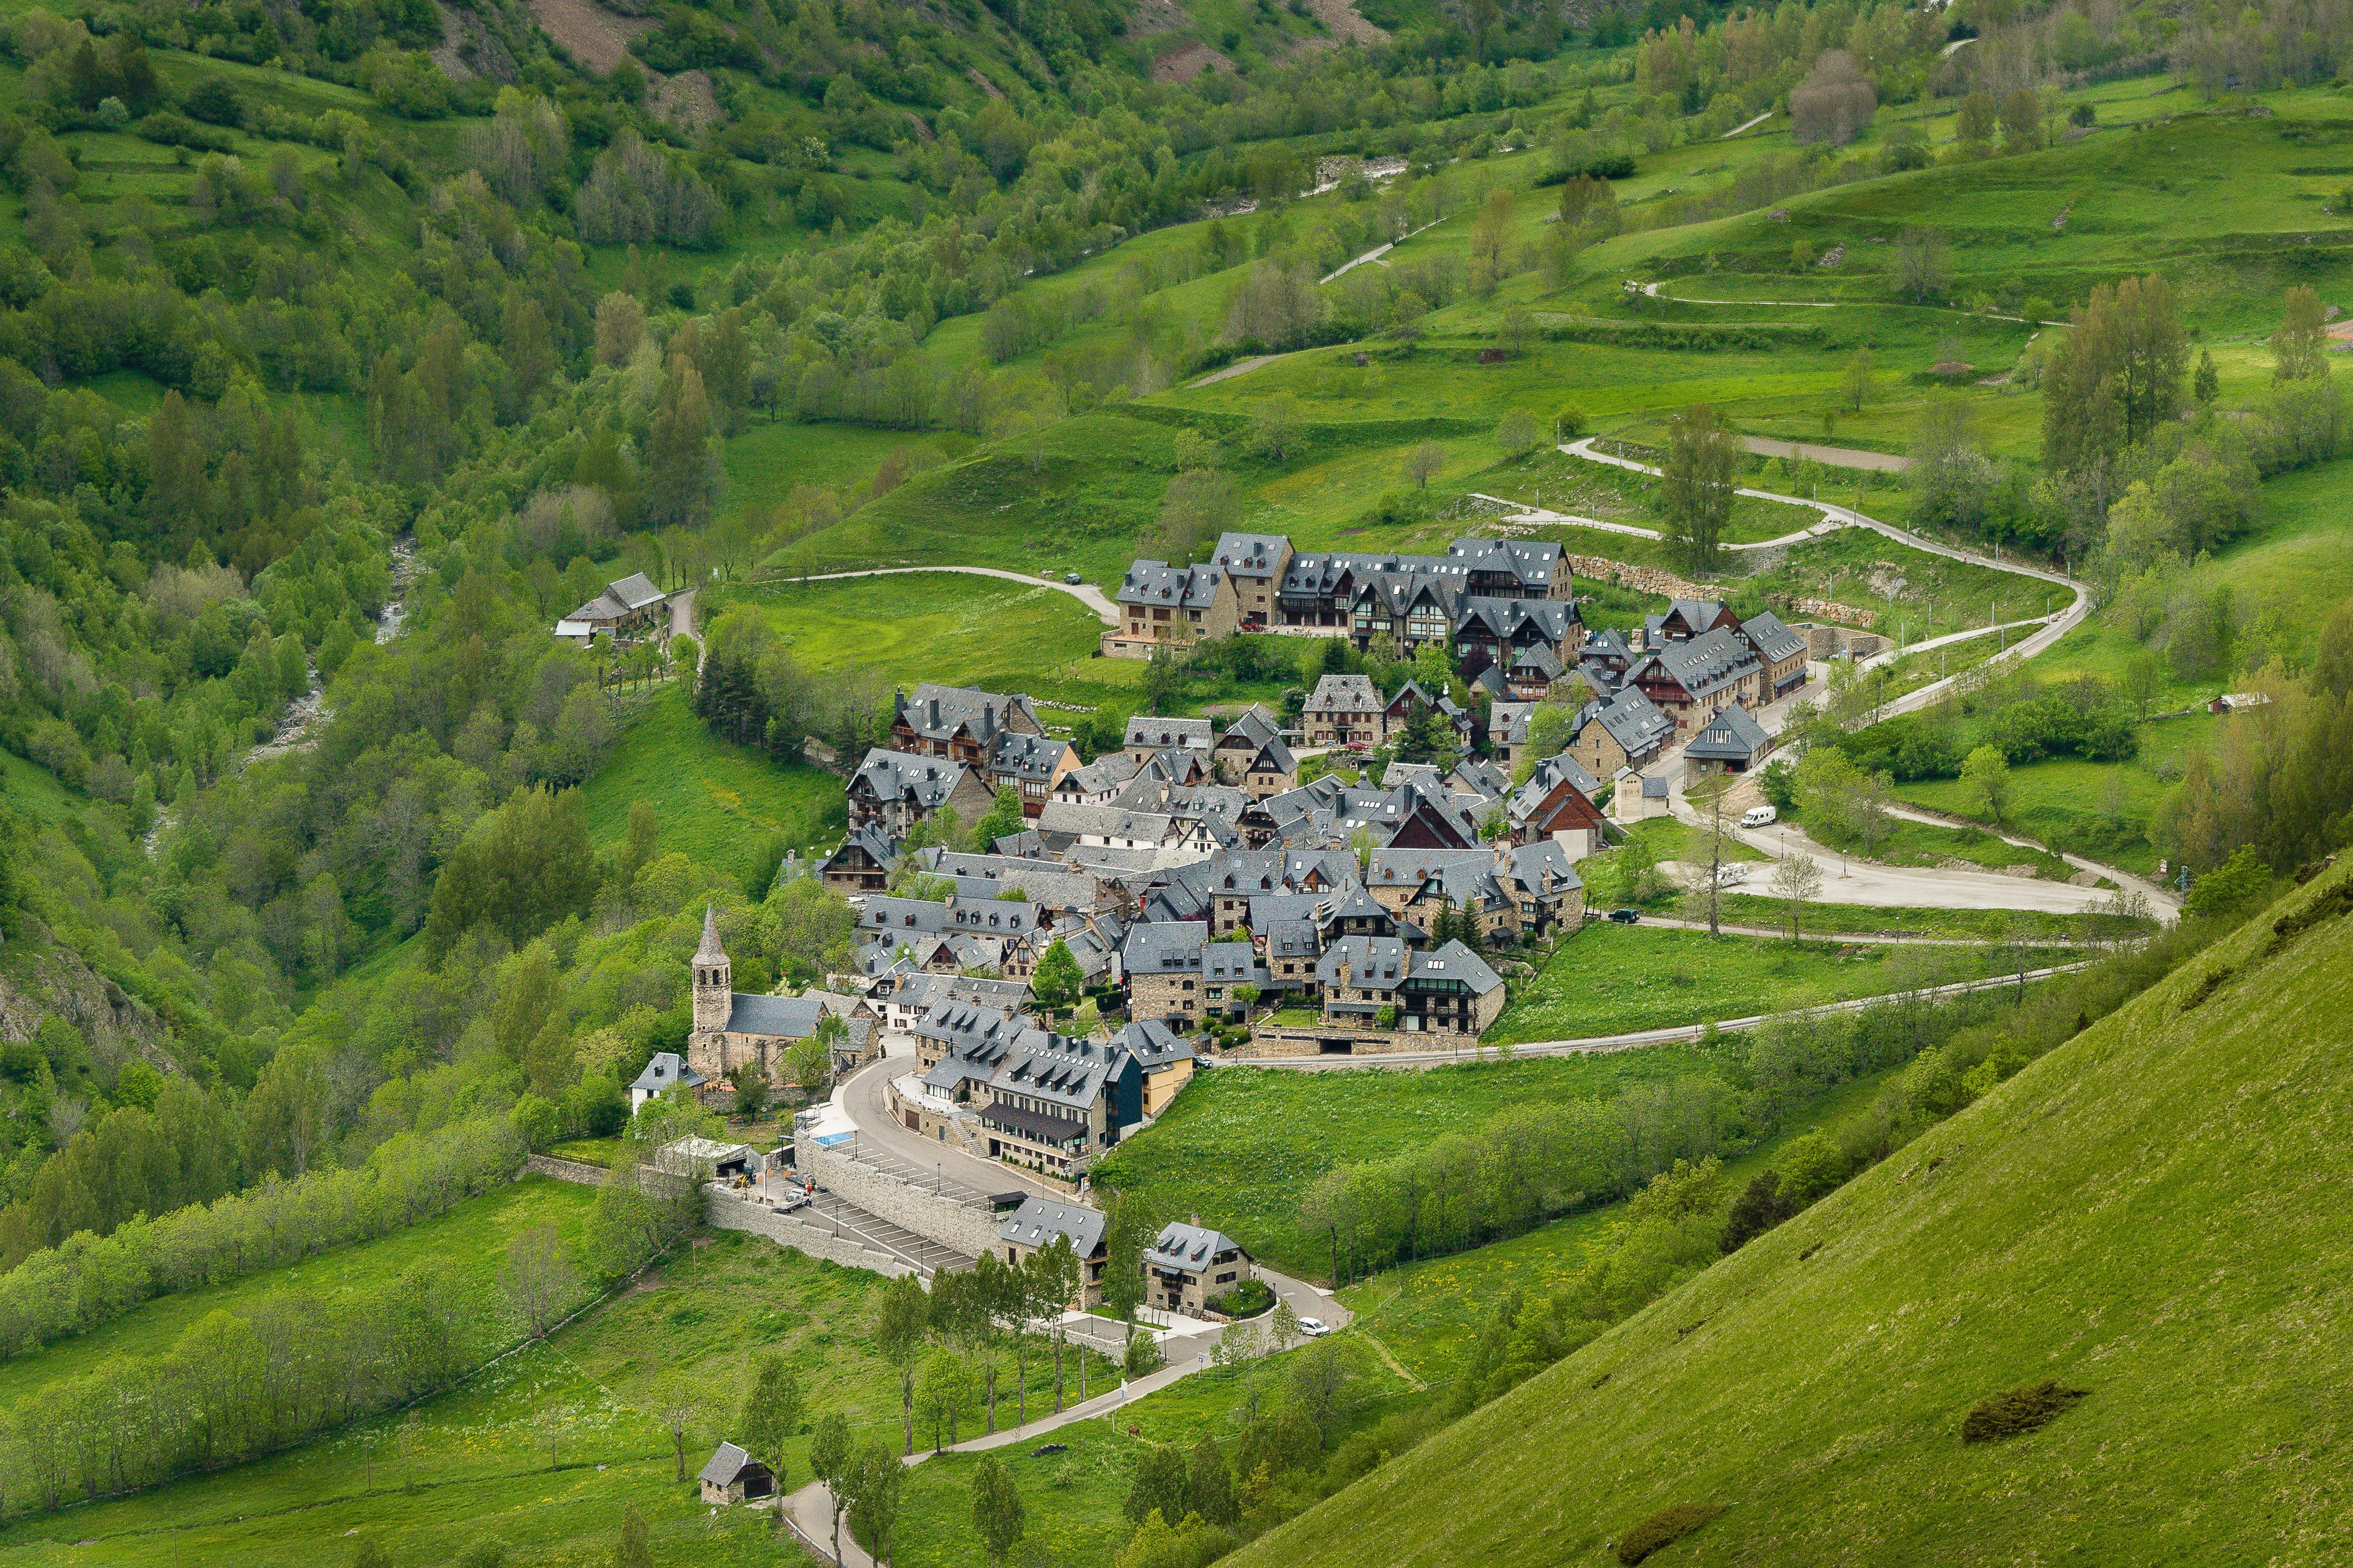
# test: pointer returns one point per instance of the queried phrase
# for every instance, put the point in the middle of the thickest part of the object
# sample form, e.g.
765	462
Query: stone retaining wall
1267	1040
725	1213
580	1172
930	1215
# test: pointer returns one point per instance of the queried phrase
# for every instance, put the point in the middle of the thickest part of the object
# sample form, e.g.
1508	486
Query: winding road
1835	517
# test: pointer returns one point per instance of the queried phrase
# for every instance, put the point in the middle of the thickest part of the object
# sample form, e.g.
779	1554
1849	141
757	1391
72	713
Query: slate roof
1707	663
1691	615
1014	756
727	1462
1231	964
1154	1045
1544	869
1476	775
1535	562
1161	735
667	1071
924	783
785	1017
1188	1248
1157	583
1456	961
939	712
1771	638
1251	728
1345	694
1540	660
1039	1220
633	593
1175	947
1632	719
1732	736
1609	646
1375	962
1051	884
1545	777
1251	554
1097	779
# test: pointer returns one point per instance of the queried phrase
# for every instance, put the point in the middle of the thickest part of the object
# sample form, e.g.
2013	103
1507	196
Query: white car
1731	876
1314	1328
1760	817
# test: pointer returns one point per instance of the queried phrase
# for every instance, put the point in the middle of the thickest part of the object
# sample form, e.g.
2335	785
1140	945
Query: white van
1758	816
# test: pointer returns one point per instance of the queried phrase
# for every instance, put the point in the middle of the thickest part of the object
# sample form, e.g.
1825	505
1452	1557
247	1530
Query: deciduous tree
1701	475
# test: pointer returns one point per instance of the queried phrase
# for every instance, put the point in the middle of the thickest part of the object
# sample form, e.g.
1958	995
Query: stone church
732	1028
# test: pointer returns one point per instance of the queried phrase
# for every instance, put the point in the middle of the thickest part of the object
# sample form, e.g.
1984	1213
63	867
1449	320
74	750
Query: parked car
1731	876
1072	578
1760	817
1626	917
1314	1328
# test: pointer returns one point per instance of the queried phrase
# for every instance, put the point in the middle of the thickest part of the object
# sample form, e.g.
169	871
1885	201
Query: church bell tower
713	980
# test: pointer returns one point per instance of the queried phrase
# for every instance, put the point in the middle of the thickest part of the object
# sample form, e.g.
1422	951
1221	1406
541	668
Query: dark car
1626	917
1072	578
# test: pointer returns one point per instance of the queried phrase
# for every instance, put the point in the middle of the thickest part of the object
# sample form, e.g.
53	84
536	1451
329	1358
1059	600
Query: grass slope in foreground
2151	1213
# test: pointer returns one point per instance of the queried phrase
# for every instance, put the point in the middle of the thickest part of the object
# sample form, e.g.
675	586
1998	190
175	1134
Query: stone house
1626	731
1692	681
1186	1266
1161	964
1033	1228
1450	991
1255	563
732	1475
862	863
895	790
1732	742
1346	710
1165	605
1780	651
627	608
1148	735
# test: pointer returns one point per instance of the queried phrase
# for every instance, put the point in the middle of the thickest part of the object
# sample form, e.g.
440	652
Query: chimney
935	713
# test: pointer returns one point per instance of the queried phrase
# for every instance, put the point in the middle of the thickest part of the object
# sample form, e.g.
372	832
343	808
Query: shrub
1245	1300
1664	1528
2020	1411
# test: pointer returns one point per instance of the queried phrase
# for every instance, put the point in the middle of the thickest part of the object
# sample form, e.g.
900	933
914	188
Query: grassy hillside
2147	1214
539	1453
1242	1145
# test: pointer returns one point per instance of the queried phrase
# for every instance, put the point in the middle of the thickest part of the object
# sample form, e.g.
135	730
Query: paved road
1596	1045
1538	514
682	612
860	1095
1847	881
1086	593
2164	903
1837	516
